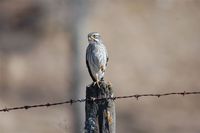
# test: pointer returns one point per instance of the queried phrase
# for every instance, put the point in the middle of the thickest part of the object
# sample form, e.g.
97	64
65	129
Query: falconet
96	57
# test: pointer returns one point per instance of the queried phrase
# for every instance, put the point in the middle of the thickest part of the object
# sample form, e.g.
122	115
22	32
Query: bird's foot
96	83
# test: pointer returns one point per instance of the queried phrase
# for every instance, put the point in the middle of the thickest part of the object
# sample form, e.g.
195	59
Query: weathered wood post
100	114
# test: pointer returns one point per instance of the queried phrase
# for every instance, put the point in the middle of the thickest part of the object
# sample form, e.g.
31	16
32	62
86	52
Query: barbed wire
137	96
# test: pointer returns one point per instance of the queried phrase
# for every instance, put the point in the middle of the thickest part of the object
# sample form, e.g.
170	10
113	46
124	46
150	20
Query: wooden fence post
100	114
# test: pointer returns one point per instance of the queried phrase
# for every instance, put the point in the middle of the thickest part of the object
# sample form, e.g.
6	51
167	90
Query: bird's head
94	37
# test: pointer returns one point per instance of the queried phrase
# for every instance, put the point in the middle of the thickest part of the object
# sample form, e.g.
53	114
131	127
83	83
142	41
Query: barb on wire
137	96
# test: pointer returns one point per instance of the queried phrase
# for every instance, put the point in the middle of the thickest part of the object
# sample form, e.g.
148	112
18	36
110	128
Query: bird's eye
94	36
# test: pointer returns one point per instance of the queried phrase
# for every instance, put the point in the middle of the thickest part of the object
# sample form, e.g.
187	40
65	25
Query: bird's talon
96	83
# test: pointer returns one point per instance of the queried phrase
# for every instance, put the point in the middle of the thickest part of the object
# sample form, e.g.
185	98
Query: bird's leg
97	81
102	68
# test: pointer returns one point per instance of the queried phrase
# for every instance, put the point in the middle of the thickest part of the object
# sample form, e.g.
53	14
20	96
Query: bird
96	57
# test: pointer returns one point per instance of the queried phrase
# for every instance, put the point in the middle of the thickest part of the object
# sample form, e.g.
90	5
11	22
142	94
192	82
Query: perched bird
96	57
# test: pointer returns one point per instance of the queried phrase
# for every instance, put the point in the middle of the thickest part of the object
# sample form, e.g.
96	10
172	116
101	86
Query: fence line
137	96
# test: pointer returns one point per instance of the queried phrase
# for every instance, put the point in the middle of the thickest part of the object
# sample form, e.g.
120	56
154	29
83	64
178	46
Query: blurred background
153	47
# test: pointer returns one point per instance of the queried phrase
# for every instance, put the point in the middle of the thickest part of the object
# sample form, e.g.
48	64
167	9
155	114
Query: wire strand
137	96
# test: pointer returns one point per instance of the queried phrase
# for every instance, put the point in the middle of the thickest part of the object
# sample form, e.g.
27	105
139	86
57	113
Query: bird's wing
89	70
88	66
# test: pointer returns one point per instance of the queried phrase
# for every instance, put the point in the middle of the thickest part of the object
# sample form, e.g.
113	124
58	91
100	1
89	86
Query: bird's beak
92	38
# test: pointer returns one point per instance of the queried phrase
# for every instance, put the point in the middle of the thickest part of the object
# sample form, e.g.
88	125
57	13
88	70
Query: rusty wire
137	96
